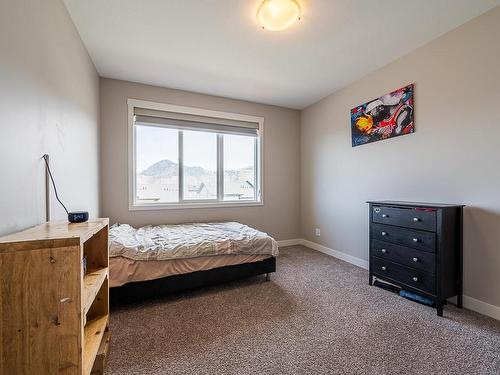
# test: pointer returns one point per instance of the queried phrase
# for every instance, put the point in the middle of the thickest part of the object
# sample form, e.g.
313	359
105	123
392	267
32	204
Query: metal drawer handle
384	233
415	259
384	251
385	215
415	239
384	268
415	278
416	219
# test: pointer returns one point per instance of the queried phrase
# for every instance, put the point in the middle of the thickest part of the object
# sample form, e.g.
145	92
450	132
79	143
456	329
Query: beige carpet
317	316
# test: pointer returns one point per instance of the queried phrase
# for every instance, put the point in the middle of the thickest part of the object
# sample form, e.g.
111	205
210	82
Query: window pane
239	167
157	165
199	165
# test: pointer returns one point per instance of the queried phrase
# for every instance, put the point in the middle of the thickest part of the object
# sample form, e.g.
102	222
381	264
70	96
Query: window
187	157
199	165
157	165
239	167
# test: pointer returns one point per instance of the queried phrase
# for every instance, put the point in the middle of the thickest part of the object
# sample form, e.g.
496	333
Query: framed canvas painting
386	117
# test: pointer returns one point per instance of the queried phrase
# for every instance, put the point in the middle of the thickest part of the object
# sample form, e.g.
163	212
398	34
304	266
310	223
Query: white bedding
182	241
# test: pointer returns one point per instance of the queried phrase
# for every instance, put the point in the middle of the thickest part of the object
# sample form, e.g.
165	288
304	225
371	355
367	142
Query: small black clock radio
78	216
75	216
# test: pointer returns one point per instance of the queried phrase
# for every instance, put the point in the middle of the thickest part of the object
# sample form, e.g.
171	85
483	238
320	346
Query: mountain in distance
163	168
167	168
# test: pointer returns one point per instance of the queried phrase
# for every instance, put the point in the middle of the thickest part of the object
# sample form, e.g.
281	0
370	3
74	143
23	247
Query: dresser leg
460	271
370	280
439	307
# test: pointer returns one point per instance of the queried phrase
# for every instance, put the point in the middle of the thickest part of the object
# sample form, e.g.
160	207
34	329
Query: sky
200	149
238	151
154	144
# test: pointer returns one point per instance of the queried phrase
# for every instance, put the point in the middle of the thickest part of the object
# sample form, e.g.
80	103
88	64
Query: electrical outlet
317	232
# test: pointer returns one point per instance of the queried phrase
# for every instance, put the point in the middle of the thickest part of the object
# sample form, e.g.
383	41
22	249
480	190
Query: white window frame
259	164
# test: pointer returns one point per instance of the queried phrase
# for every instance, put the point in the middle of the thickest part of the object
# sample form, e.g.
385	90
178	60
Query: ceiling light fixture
277	15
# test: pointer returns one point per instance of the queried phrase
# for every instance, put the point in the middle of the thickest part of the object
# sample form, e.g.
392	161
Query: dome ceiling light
277	15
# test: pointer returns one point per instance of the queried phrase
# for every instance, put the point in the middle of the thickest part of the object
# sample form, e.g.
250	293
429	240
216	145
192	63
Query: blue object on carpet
416	297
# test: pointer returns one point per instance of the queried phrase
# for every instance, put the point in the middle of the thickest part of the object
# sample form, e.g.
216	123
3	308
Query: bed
155	260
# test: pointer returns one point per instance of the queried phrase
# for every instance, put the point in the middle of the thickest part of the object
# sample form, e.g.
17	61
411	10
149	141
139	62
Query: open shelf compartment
93	335
92	283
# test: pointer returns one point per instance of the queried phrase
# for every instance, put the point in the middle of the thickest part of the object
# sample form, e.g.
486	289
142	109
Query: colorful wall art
382	118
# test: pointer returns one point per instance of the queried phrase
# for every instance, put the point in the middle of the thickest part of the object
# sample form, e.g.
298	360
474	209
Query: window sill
194	205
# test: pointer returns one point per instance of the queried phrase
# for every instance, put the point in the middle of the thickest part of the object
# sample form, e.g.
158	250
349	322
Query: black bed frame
141	290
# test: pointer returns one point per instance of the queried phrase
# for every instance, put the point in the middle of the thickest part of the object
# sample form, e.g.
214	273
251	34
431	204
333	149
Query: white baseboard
479	306
482	307
468	302
326	250
336	254
292	242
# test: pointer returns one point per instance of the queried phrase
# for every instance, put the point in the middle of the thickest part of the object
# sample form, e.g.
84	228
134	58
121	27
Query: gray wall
453	156
280	214
49	102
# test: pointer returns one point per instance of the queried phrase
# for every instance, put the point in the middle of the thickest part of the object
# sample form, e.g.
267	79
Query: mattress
124	270
181	241
153	252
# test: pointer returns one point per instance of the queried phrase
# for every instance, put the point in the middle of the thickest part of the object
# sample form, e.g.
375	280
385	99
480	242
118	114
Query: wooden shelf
47	261
92	282
93	334
53	234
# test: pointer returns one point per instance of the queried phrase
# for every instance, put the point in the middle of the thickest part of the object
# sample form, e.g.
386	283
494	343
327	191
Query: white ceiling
216	47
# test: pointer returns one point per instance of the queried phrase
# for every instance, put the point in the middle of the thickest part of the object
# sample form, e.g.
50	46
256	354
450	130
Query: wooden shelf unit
54	316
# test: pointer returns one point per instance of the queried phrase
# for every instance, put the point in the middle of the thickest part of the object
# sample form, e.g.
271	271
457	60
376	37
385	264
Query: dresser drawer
421	260
425	241
398	273
415	218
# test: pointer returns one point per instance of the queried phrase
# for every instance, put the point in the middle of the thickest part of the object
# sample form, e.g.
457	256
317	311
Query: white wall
49	103
452	157
280	214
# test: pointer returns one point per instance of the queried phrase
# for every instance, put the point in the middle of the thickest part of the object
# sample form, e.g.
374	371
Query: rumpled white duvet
165	242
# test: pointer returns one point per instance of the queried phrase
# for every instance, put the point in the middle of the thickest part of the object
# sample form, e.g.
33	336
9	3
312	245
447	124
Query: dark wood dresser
418	247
